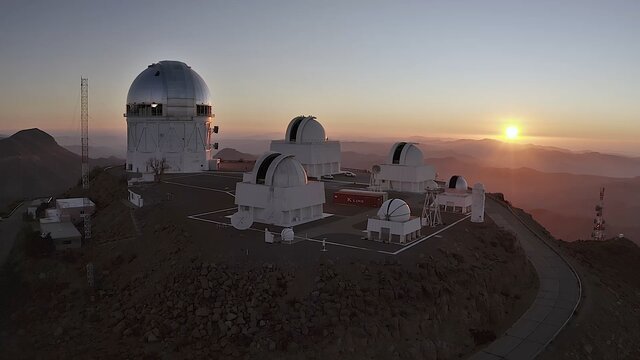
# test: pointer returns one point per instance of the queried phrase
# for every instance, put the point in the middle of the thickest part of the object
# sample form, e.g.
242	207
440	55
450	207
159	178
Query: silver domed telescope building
306	139
169	116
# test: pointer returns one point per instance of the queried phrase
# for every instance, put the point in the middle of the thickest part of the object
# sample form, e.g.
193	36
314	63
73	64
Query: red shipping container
359	198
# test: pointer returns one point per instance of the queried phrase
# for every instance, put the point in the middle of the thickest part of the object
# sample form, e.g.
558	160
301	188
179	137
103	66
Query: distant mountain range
233	155
33	164
499	154
97	151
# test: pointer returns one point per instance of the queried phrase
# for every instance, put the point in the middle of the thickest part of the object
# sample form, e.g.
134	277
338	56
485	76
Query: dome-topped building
403	153
305	129
169	116
457	182
275	169
307	140
456	196
277	191
394	223
404	170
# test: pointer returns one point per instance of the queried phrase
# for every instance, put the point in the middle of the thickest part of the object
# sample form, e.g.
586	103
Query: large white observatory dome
395	210
275	169
458	183
305	129
403	153
168	84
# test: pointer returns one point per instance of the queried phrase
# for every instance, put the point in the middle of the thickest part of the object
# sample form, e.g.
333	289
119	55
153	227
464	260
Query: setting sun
511	132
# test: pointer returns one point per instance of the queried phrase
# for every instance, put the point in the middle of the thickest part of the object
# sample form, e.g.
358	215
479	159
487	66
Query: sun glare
511	132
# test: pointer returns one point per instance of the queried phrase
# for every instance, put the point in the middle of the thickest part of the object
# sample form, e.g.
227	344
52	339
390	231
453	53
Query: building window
203	110
144	110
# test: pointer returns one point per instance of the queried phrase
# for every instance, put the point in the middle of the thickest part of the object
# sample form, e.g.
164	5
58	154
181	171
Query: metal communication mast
431	209
84	119
598	222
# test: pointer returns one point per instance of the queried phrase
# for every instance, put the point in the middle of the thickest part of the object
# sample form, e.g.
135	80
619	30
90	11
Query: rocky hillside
33	164
161	295
607	322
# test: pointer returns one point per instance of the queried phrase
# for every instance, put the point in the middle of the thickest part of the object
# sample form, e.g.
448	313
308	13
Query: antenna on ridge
598	222
84	120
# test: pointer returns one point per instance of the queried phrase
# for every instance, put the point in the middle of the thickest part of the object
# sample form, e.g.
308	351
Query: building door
384	234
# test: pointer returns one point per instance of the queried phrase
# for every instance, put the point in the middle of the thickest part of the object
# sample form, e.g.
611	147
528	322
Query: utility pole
84	119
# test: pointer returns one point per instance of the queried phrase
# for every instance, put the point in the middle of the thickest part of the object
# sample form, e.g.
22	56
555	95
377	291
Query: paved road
558	296
9	229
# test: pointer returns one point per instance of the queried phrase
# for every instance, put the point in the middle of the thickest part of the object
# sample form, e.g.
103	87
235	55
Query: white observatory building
277	192
456	197
169	116
307	141
404	171
394	223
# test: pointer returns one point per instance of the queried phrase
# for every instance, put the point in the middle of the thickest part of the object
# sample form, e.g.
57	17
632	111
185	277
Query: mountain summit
33	164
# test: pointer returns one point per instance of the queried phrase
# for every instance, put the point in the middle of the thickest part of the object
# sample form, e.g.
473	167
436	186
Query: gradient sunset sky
564	71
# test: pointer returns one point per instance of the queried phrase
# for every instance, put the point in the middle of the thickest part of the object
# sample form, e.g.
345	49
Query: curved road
558	296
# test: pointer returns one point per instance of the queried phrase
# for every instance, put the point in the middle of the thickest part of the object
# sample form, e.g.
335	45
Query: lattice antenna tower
598	222
431	215
374	182
84	120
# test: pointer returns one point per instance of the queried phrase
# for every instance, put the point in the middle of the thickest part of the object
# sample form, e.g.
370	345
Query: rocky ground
159	295
607	323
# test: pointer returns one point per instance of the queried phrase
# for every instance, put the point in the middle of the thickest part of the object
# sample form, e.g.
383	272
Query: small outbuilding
394	223
307	141
72	209
63	234
457	197
33	206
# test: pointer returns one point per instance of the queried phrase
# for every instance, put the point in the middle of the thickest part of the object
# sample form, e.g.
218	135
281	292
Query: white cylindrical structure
477	203
287	234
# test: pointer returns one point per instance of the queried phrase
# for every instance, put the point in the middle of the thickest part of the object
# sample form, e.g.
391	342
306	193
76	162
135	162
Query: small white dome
305	129
431	185
394	210
287	234
404	153
275	169
458	183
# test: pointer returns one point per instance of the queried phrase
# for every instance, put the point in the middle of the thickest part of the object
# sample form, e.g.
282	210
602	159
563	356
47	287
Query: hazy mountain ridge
230	154
35	165
495	153
97	151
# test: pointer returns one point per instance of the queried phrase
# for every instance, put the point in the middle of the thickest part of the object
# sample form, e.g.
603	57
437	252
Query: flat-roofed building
63	234
72	209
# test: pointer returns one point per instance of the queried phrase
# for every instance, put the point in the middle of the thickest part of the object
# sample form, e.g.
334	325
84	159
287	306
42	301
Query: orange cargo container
361	198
